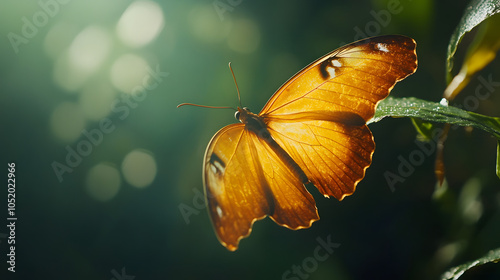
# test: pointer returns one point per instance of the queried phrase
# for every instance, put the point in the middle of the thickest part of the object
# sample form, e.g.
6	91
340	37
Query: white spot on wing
217	166
219	211
336	63
215	176
331	72
213	169
381	47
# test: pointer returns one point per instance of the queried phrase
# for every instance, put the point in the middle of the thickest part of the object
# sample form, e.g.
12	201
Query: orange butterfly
312	130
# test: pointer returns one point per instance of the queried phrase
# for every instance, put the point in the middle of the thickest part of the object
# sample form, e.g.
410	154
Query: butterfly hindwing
337	158
234	201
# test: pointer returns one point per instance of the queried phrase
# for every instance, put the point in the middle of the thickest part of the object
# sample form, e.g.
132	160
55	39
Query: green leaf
435	112
456	272
424	128
481	52
476	12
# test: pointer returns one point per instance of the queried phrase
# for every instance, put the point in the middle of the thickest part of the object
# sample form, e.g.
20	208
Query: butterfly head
242	114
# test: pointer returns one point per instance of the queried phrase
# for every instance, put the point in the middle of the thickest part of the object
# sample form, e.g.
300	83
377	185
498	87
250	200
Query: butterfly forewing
353	78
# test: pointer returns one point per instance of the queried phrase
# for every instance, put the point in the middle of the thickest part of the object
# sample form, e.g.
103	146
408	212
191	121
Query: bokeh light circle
103	181
139	168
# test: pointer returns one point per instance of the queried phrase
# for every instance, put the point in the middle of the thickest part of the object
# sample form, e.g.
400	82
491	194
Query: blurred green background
105	162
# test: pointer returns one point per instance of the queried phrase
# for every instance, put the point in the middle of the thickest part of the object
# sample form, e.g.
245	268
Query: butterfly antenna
217	107
237	89
205	106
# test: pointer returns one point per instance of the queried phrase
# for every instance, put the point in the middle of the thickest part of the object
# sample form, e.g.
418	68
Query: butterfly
312	130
